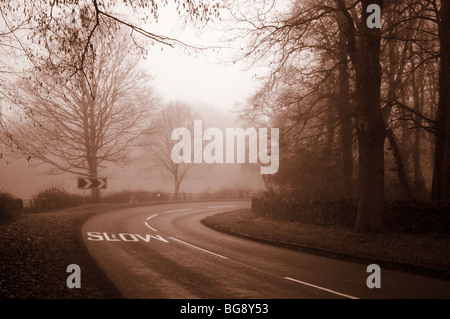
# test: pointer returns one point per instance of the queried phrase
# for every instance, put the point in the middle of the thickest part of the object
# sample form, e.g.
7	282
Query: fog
23	178
205	80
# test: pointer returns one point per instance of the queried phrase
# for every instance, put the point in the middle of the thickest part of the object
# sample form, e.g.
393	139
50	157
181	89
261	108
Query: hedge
9	206
54	199
401	215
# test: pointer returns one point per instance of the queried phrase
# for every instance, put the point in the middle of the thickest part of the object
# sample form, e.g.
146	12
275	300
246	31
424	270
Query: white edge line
146	224
210	252
222	206
152	216
321	288
178	210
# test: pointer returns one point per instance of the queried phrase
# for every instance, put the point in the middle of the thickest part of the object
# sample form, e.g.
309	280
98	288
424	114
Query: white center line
321	288
148	218
178	210
146	224
209	252
224	206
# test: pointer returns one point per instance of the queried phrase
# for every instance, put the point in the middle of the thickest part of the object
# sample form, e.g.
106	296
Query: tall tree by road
441	174
293	40
364	52
73	131
157	143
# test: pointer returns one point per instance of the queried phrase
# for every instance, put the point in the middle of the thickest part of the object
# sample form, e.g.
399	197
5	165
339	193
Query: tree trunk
93	149
345	119
417	82
419	182
176	182
441	173
370	128
363	47
95	192
177	189
399	162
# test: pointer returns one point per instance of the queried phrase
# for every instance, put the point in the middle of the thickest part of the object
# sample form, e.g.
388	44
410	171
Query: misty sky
209	76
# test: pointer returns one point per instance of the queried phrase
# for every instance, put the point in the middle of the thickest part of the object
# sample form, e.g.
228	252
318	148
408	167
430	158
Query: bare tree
294	38
307	96
48	21
61	34
73	131
441	174
157	143
11	56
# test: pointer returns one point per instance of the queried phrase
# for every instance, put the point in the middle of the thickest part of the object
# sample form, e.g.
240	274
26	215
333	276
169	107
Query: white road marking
148	237
146	224
209	252
321	288
224	206
178	210
148	218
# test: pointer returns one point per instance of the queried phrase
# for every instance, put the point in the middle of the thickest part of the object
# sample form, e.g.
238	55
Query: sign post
91	183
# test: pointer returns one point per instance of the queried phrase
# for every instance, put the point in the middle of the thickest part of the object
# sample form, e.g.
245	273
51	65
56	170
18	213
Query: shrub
401	215
125	196
53	199
226	193
116	197
320	212
9	206
418	216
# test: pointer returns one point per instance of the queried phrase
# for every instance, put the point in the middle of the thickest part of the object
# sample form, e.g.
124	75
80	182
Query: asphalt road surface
163	251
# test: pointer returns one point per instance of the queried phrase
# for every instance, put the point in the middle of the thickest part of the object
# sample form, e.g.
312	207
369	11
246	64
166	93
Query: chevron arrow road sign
89	183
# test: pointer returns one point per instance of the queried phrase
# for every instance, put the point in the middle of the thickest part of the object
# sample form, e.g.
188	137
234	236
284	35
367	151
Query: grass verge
425	254
37	248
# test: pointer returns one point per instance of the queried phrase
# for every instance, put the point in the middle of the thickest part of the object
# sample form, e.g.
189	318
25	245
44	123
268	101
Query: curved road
163	251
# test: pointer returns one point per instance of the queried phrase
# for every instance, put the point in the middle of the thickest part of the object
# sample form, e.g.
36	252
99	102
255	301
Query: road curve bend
163	251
